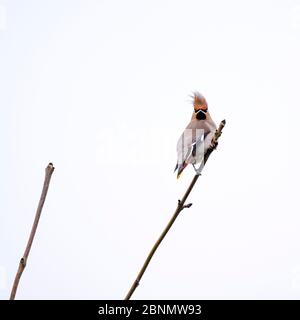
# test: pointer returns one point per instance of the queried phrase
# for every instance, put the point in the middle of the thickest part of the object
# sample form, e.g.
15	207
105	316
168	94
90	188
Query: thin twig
48	173
181	205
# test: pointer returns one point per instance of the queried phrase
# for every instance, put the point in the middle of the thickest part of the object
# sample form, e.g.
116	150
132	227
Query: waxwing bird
197	136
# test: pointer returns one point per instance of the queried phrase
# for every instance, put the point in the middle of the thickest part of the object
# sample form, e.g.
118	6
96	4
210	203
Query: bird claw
213	145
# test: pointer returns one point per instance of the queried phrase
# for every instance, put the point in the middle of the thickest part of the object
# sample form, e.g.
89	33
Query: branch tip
186	206
50	166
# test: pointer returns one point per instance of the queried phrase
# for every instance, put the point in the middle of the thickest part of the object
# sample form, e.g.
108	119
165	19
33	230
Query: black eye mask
200	114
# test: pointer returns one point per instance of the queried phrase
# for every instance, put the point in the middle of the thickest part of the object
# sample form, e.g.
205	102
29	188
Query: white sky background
100	88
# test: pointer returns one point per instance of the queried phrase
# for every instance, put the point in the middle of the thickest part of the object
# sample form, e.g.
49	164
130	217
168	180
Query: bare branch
180	206
48	173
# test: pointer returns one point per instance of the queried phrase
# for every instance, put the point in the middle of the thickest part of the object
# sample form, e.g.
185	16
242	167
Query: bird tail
180	168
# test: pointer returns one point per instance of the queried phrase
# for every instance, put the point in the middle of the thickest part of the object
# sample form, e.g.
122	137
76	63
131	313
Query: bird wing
188	143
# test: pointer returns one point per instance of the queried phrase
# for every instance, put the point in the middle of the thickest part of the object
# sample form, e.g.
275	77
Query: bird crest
199	101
